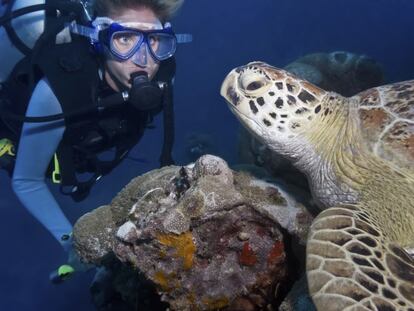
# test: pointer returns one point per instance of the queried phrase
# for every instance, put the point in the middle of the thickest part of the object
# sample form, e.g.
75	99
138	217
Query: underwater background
226	34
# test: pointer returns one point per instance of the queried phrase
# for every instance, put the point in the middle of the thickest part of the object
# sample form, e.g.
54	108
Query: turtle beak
228	88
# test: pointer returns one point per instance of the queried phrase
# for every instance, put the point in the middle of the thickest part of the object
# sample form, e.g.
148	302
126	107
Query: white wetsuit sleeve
37	145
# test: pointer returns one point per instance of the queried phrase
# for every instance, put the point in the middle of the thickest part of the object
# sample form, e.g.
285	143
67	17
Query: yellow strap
56	178
6	146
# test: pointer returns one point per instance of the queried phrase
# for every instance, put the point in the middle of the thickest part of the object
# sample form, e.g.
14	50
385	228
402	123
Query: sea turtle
358	155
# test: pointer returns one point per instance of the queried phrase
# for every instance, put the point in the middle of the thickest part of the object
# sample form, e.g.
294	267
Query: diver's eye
252	86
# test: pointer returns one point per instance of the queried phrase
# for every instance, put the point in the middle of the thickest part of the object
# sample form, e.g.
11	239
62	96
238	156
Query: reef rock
205	236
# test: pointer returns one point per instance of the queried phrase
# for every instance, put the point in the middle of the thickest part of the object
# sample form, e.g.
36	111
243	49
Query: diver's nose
140	56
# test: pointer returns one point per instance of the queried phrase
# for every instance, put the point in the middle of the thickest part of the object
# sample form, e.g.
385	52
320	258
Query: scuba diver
97	84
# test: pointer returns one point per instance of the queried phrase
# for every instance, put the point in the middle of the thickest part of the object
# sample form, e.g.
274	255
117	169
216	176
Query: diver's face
121	70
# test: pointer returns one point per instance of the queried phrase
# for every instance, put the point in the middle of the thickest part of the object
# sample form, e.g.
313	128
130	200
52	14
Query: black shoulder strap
166	75
68	67
168	119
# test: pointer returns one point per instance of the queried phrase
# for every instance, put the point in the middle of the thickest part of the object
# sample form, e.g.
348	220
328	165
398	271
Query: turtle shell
387	119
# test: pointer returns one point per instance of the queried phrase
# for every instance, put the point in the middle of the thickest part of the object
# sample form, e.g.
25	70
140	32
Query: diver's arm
37	145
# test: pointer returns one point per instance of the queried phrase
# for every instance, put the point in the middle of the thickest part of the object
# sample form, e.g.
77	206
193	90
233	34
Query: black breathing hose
109	101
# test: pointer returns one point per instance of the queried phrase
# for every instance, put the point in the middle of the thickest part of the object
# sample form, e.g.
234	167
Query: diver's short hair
164	9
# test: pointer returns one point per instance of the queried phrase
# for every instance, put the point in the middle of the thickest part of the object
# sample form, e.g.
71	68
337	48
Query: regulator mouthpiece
144	94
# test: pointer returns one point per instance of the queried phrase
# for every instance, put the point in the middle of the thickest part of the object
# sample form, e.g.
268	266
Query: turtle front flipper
350	266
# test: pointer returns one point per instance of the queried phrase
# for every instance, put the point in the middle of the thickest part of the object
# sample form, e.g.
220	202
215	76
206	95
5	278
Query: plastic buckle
56	176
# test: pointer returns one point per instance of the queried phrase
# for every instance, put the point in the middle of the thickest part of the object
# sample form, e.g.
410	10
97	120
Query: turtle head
272	103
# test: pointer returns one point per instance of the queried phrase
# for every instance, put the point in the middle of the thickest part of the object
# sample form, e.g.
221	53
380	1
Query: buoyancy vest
72	71
73	74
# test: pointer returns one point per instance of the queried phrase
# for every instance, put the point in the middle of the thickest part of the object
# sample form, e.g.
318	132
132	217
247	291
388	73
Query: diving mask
125	42
136	40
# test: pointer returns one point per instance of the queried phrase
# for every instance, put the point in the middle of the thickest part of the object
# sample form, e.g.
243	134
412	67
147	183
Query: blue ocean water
226	34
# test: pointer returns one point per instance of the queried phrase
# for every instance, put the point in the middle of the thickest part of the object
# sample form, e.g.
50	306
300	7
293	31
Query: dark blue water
227	33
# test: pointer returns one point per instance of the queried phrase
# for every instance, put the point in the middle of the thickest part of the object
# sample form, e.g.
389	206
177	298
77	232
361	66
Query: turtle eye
252	86
253	83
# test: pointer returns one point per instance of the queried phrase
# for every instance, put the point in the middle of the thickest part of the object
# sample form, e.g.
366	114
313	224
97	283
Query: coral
213	243
183	245
94	234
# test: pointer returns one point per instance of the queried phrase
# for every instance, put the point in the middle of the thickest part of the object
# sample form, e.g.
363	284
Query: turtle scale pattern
387	117
357	154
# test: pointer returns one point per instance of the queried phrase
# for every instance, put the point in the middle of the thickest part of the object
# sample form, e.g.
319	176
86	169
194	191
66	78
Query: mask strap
181	37
89	32
184	37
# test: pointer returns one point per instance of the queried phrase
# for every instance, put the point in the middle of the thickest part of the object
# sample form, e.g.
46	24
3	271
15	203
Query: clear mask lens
162	45
126	43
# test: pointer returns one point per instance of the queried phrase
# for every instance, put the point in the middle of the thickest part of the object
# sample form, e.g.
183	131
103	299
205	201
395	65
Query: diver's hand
74	264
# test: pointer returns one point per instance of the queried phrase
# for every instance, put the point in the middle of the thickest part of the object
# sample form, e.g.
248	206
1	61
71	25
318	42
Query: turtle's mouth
228	88
250	124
